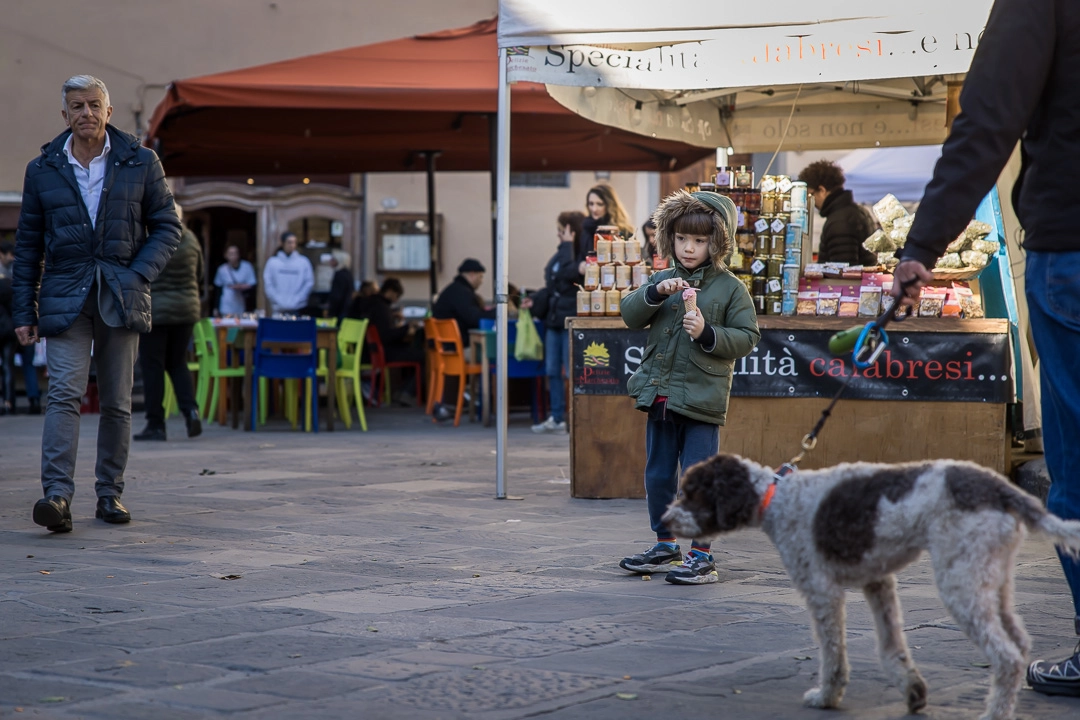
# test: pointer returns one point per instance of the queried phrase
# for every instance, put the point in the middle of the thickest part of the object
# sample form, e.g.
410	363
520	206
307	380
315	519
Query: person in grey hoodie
288	278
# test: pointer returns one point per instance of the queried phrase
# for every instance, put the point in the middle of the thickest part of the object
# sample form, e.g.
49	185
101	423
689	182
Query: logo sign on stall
924	366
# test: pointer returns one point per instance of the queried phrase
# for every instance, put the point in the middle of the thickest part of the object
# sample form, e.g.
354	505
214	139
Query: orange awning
372	108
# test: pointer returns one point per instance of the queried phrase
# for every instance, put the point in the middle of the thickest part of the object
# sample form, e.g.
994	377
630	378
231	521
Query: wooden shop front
941	390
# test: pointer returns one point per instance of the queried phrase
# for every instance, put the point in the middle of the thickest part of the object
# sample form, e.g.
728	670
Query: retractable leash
866	343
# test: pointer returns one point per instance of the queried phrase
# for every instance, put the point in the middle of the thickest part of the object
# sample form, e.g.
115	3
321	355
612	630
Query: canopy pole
502	246
493	153
433	248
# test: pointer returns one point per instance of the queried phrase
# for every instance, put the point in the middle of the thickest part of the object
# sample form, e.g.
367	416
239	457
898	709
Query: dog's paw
916	692
818	698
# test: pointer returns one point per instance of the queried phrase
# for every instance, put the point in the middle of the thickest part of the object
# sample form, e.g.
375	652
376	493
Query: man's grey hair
83	82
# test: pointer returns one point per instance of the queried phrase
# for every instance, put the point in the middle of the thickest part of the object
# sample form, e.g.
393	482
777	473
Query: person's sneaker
1061	678
661	557
550	426
696	569
442	413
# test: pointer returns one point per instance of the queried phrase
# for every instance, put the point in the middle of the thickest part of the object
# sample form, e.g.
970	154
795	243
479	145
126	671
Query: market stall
945	388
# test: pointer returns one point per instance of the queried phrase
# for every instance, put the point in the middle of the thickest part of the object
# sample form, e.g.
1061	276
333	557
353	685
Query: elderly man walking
97	226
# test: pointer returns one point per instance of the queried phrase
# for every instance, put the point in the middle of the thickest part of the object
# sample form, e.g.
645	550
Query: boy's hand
694	324
671	286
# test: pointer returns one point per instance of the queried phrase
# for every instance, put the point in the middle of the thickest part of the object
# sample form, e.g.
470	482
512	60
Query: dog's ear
723	483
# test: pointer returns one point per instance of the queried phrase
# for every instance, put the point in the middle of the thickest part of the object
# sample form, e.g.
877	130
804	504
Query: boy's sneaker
661	557
697	569
1061	678
550	426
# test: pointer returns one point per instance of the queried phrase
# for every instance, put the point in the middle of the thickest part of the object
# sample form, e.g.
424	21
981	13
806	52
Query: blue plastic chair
533	369
287	349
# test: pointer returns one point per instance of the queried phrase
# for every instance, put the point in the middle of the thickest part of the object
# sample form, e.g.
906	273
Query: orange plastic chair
380	367
451	362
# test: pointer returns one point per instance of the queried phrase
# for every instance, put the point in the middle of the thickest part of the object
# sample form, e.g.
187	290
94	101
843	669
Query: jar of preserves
607	276
618	251
592	272
639	275
633	251
603	250
584	303
613	303
597	302
622	276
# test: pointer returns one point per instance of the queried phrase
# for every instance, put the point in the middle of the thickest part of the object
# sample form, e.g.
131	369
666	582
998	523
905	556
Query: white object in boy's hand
693	323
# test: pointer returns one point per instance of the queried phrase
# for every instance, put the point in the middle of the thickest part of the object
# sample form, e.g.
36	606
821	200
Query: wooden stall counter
941	390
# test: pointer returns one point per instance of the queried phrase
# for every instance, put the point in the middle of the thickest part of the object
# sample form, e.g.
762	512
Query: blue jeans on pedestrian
669	445
1052	286
30	378
556	357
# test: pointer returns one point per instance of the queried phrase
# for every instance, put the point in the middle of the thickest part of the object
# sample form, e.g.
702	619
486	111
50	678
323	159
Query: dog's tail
1066	533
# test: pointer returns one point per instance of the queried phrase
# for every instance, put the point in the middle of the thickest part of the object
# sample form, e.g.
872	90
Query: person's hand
27	334
527	303
694	324
908	278
671	286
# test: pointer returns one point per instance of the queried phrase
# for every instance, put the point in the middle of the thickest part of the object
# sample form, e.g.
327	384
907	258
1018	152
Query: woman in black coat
553	304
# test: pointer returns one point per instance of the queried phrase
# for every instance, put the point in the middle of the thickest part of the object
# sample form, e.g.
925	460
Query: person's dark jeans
164	349
556	367
30	378
1052	287
8	348
668	445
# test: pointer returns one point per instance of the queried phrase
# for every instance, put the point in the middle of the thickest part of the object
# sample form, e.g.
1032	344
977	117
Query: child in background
684	379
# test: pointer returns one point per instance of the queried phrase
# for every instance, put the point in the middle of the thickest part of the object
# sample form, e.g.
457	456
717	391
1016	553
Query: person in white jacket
288	278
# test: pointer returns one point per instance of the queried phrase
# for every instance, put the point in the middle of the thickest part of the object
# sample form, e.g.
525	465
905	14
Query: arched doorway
217	228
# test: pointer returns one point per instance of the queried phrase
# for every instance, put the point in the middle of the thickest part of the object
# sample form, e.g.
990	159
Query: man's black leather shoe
110	510
150	433
194	424
35	406
53	513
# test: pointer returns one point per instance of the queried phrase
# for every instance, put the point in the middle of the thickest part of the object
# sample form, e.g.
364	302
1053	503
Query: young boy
685	374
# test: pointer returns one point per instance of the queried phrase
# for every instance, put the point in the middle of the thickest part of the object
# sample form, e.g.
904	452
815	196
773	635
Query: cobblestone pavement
352	575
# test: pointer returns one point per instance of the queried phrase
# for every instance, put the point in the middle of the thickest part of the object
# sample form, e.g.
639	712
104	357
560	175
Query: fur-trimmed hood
681	203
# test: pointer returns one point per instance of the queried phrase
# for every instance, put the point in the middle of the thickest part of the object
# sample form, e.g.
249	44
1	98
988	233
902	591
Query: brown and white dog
855	525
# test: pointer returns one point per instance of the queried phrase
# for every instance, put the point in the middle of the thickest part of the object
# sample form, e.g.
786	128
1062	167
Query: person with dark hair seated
397	338
847	224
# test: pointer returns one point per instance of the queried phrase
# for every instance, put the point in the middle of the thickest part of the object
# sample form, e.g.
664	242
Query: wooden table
478	340
326	339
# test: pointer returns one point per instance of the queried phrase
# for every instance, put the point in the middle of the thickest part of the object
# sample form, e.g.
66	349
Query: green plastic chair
210	368
350	341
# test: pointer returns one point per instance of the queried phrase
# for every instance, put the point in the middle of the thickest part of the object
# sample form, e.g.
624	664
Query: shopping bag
528	346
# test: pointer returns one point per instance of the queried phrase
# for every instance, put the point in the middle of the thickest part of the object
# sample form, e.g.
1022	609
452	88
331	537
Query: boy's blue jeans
668	445
1053	294
556	357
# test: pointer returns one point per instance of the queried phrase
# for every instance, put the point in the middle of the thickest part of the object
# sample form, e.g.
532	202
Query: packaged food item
660	262
970	304
774	266
931	300
639	274
759	304
607	276
887	210
584	303
798	196
878	243
613	303
774	304
597	302
592	272
603	250
852	272
814	271
793	236
977	230
793	256
758	266
757	285
849	303
618	251
990	247
828	303
950	261
951	308
689	298
791	277
789	303
633	251
974	258
869	301
622	276
806	302
777	243
774	286
887	300
960	243
801	219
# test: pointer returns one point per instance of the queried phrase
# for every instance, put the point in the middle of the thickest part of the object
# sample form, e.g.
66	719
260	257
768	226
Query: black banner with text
926	366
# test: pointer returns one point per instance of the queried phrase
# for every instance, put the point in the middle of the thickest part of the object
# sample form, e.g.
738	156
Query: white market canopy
723	73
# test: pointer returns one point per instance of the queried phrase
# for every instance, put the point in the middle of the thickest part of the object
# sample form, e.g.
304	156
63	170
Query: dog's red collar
767	498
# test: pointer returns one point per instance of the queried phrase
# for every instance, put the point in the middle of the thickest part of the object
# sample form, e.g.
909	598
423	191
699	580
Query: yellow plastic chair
350	341
210	367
